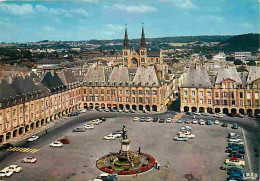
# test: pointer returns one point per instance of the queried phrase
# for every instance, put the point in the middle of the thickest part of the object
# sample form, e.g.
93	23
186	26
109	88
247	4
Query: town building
227	91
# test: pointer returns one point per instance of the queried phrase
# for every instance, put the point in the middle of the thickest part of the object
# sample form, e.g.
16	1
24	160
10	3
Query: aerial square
159	90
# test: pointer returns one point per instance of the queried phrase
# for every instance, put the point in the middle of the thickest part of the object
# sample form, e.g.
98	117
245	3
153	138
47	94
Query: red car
65	140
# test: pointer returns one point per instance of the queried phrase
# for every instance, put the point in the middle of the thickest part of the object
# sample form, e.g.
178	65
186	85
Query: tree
242	69
231	59
238	62
251	63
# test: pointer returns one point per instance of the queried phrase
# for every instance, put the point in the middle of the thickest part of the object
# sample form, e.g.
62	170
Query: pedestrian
158	166
168	164
46	131
136	175
139	150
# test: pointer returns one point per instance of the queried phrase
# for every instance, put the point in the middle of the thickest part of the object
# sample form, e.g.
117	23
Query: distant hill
245	42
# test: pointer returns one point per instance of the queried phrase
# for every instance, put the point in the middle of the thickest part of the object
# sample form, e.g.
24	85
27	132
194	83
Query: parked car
187	128
234	126
89	126
184	133
236	161
73	114
126	110
240	115
79	129
224	125
33	138
236	170
29	159
236	154
228	166
106	110
155	119
189	113
168	120
235	148
145	111
202	122
6	146
109	137
187	121
56	144
64	140
136	119
142	119
113	110
191	136
197	113
118	132
132	111
232	135
177	138
82	110
161	121
179	120
14	168
208	122
95	122
231	114
107	177
119	110
194	121
117	135
149	119
5	173
216	122
234	140
205	114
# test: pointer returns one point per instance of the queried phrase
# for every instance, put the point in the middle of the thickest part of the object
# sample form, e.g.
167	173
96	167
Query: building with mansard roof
227	92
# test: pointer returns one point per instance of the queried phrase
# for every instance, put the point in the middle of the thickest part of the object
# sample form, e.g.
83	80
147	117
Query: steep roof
51	81
66	76
230	73
119	75
254	73
146	77
197	78
23	85
45	90
96	74
6	90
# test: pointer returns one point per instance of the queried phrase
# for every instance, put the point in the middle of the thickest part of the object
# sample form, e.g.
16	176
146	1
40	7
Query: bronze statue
124	133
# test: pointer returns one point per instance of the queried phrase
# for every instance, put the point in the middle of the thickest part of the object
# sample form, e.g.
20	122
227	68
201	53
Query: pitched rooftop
230	73
6	91
254	73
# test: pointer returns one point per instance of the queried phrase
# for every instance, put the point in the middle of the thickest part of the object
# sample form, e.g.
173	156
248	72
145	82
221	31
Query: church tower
142	50
126	48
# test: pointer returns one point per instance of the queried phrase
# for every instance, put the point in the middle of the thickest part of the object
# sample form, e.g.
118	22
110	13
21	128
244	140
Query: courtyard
197	159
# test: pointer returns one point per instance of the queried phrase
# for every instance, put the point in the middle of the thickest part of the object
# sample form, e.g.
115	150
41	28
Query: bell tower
126	48
142	50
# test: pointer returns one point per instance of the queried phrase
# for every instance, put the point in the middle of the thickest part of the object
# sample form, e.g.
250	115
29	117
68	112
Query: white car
33	138
57	144
117	135
205	114
106	110
89	126
29	160
220	115
126	110
5	173
95	122
136	119
14	168
119	110
194	121
109	137
202	122
197	113
234	140
216	122
191	136
82	110
168	120
183	133
149	119
187	128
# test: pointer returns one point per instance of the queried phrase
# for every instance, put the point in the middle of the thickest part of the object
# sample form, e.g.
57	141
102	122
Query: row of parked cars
89	125
120	110
218	115
236	154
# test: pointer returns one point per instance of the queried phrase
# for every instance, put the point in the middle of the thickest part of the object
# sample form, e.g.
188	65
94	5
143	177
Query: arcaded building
226	91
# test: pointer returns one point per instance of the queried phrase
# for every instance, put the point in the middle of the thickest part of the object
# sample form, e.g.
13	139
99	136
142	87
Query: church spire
143	42
126	40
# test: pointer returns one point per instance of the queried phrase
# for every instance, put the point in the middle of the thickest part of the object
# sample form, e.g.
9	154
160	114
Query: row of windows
146	92
193	93
119	99
201	101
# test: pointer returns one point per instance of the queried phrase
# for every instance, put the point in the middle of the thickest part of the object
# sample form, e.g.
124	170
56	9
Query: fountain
125	162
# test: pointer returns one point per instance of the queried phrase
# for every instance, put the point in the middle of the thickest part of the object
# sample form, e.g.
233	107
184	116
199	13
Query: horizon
84	20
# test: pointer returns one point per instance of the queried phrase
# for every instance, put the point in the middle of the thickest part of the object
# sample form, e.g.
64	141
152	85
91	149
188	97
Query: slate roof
67	77
119	75
24	86
51	81
45	90
197	78
6	90
153	53
146	77
254	73
230	73
96	74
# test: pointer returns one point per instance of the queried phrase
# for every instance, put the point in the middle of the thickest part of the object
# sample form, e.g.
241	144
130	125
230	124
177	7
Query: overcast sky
32	20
